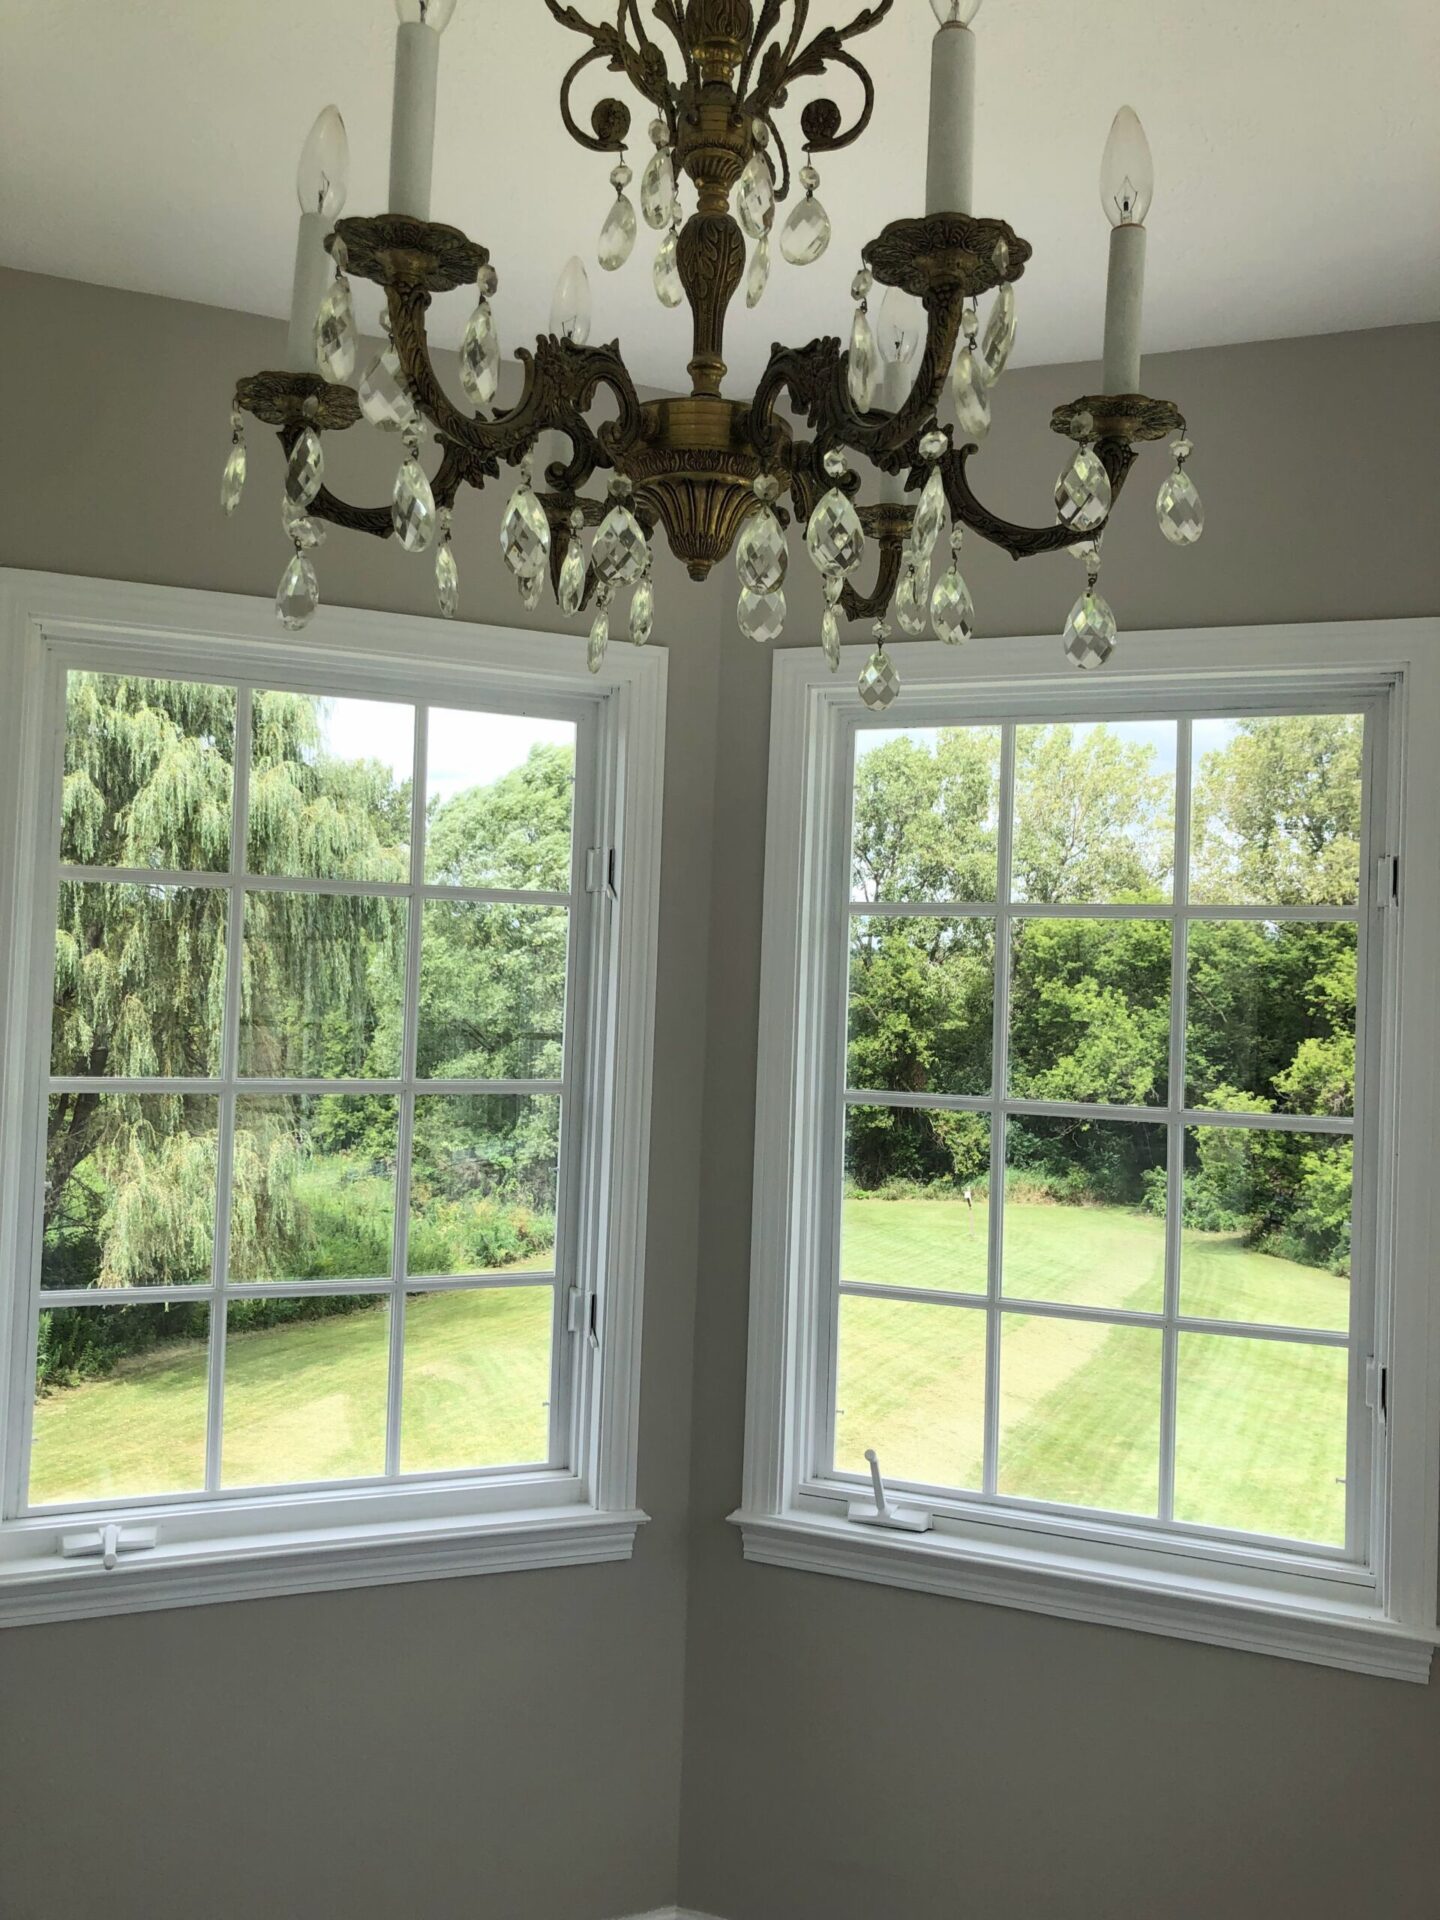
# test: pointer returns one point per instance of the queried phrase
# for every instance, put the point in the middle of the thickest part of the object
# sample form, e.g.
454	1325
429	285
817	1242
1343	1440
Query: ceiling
1297	156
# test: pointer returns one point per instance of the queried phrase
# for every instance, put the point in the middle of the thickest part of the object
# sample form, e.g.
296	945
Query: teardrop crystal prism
998	340
617	236
300	529
480	356
383	399
642	614
524	533
232	481
335	338
830	637
298	595
952	611
412	508
657	189
806	234
834	536
972	402
306	472
599	638
571	591
755	197
879	682
1179	509
912	603
1090	631
929	516
863	370
762	555
758	278
621	549
1083	493
761	615
447	580
668	284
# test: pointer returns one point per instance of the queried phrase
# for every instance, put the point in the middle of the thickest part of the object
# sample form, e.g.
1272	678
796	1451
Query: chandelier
717	474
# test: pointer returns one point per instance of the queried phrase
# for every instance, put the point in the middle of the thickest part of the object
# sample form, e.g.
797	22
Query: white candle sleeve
894	392
312	277
1124	307
949	179
412	125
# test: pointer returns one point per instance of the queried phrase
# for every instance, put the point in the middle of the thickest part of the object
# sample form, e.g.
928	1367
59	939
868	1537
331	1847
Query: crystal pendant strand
669	287
999	341
524	531
755	207
1090	630
930	514
830	620
335	337
383	398
758	278
806	234
571	591
298	594
1178	506
447	574
863	367
300	530
972	401
1083	493
232	481
952	610
879	682
480	347
834	537
412	504
600	628
762	555
621	552
305	474
642	607
658	198
617	236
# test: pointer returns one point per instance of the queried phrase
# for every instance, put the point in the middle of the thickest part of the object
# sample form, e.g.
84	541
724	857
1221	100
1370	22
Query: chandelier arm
379	521
1024	543
782	185
822	121
772	68
669	15
872	606
610	118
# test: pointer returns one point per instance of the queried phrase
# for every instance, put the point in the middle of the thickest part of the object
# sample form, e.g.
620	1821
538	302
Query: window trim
252	1542
1382	1620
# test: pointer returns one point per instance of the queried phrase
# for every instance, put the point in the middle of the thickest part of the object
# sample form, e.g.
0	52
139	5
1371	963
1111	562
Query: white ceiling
1297	155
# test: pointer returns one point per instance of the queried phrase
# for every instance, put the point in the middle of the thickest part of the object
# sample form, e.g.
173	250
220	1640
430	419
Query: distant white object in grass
881	1512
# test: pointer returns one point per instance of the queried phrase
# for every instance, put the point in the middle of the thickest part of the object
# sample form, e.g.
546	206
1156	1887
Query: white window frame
1374	1611
580	1507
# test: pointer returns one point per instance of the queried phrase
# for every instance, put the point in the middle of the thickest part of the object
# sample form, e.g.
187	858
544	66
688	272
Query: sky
466	749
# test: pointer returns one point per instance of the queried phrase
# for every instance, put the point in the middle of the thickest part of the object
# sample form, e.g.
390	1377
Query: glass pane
1085	1213
1271	1017
324	982
1095	813
483	1183
927	811
129	1190
477	1379
1260	1432
1267	1228
313	1187
1090	1011
305	1390
148	773
120	1402
499	800
492	991
330	787
139	981
916	1206
1277	811
1080	1413
922	1005
912	1386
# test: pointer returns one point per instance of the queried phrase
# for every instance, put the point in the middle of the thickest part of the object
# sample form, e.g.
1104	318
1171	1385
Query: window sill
258	1566
1349	1634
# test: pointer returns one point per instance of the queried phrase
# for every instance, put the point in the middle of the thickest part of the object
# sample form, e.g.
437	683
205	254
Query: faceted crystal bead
299	594
525	533
480	356
599	633
1090	631
864	366
1082	496
335	339
621	549
306	472
879	682
1179	509
617	236
972	402
933	445
758	278
657	189
383	399
834	536
447	580
232	481
830	637
668	284
999	337
571	590
806	233
487	282
755	197
412	507
929	516
762	615
952	611
762	555
912	601
642	613
300	529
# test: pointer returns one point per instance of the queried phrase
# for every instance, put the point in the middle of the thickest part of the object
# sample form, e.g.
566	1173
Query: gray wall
512	1746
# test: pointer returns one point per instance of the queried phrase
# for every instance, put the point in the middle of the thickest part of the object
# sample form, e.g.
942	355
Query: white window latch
107	1543
883	1512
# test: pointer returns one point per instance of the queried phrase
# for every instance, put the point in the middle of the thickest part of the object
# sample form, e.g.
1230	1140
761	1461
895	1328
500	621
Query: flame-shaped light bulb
955	13
901	323
1127	172
323	176
434	14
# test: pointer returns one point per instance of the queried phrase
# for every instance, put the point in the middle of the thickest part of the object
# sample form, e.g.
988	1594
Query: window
1089	1226
319	1155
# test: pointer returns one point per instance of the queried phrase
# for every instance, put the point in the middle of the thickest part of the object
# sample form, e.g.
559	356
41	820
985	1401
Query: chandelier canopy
716	472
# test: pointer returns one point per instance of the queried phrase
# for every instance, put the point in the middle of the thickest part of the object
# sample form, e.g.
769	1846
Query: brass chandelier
715	472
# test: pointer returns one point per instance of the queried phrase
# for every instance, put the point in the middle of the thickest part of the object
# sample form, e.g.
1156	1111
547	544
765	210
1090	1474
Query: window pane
916	1207
305	1390
147	773
330	787
922	1005
477	1379
483	1183
313	1187
499	800
1080	1413
120	1402
1267	1228
1260	1431
1277	811
492	991
1085	1213
1272	1017
129	1190
927	809
139	981
324	986
1095	813
1090	1011
912	1387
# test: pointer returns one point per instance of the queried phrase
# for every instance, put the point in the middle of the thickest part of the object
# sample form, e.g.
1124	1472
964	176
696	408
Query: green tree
1094	821
1277	813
